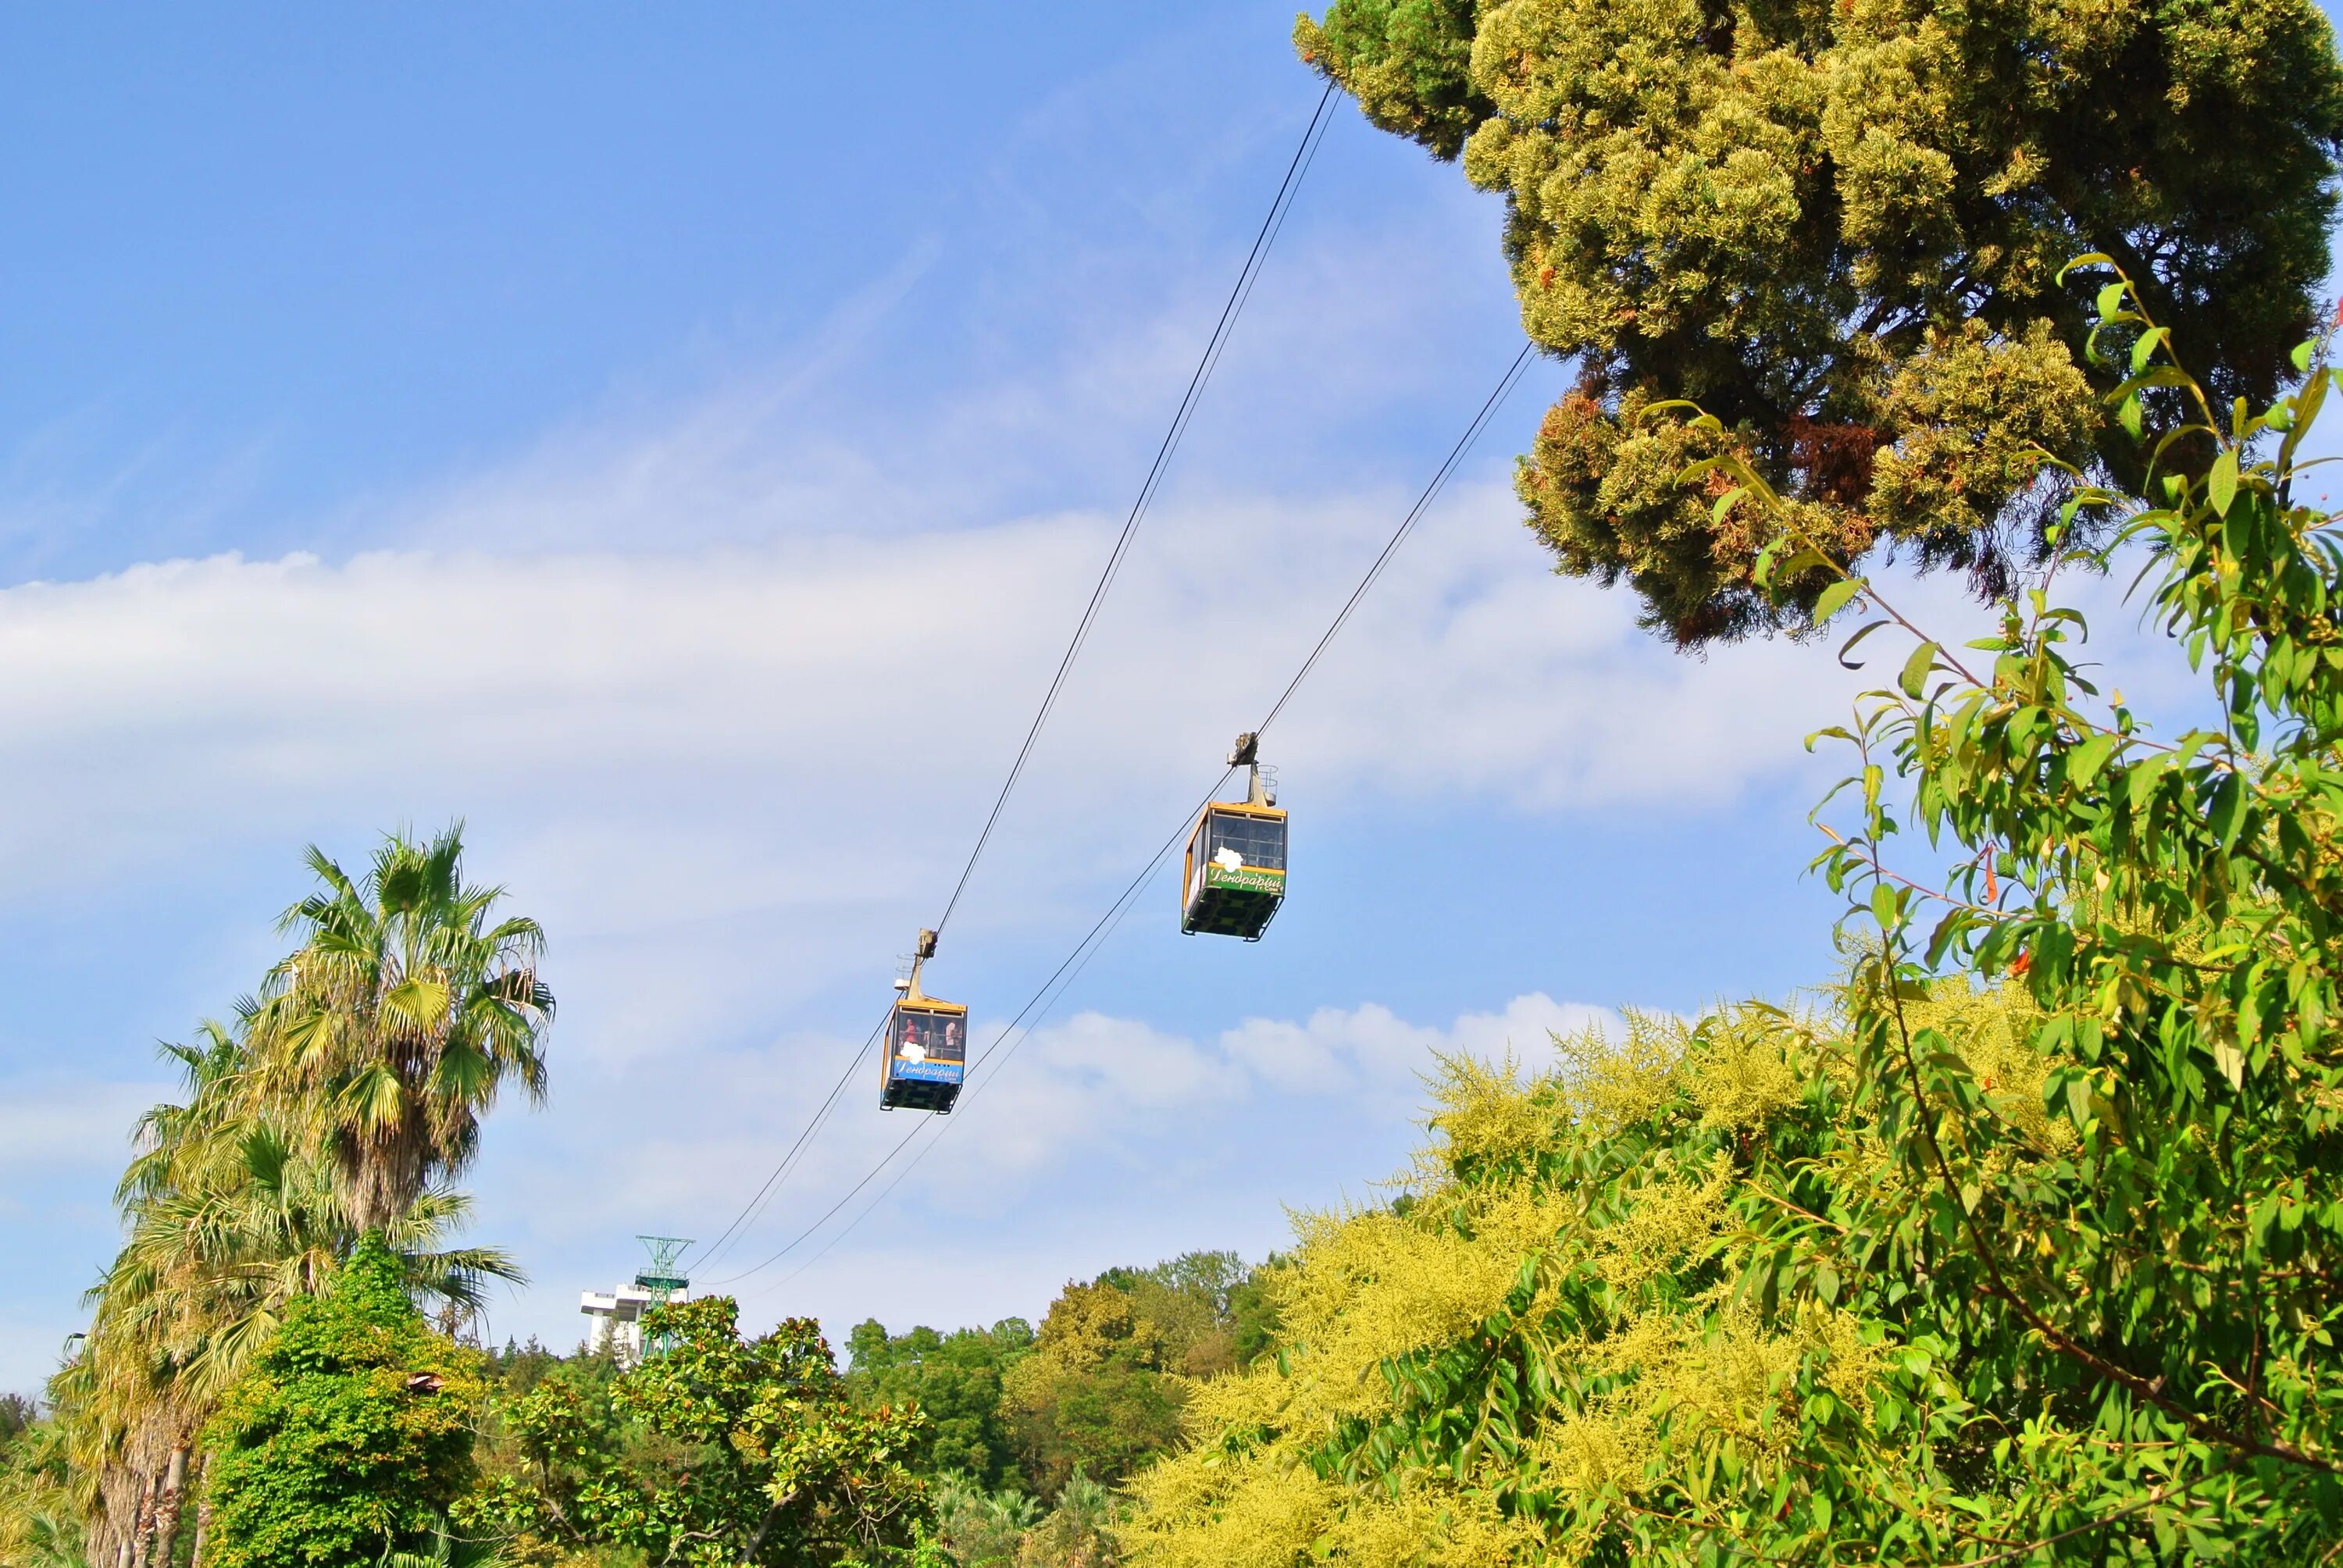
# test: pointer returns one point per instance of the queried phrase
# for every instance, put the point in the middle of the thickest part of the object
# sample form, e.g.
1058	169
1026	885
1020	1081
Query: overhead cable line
1095	942
1297	167
825	1219
1504	386
1092	940
1303	153
754	1206
1083	950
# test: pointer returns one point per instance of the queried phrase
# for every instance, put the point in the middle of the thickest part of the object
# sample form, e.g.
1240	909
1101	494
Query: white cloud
1347	1051
851	700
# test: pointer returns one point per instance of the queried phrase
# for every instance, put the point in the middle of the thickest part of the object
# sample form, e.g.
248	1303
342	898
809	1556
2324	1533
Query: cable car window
1260	840
940	1036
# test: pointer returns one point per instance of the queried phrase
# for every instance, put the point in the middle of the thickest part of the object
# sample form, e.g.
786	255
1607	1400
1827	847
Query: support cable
942	1124
1233	307
757	1201
1297	167
1079	958
1083	952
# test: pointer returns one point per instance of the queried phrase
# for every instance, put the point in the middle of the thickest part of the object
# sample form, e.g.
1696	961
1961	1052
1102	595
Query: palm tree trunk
167	1521
142	1524
203	1512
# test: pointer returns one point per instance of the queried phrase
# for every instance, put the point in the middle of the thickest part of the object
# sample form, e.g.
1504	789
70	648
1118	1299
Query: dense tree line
998	1446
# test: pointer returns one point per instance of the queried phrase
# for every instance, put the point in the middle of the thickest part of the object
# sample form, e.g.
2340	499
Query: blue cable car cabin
1234	878
927	1056
924	1055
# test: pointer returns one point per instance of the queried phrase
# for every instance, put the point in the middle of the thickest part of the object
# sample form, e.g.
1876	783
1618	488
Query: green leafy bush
351	1433
716	1451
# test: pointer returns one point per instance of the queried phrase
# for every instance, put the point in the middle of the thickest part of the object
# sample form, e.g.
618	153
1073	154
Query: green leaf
1914	679
2083	764
2229	813
2160	376
1848	646
1702	467
2142	350
2128	417
2088	258
2221	484
2111	297
2301	355
1835	596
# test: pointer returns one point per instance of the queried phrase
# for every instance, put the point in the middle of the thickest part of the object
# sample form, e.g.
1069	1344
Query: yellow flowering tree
1539	1351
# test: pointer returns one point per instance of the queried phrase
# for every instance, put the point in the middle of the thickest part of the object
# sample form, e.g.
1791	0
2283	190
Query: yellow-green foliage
40	1515
1588	1224
1098	1393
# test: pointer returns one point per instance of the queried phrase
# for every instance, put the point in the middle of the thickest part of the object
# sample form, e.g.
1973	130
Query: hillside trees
718	1451
1115	1362
1838	227
955	1380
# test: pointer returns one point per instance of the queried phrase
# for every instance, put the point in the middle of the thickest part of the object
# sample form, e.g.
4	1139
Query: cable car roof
1245	809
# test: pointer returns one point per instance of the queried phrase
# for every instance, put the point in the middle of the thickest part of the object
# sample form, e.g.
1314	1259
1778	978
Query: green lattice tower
662	1282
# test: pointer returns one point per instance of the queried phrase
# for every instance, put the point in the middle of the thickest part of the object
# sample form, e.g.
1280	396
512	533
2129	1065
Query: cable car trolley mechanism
1235	874
924	1056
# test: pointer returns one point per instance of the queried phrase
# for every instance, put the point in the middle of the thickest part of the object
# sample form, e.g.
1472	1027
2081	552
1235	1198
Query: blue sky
678	442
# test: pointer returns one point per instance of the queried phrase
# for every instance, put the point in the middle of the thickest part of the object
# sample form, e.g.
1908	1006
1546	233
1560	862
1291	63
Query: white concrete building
616	1319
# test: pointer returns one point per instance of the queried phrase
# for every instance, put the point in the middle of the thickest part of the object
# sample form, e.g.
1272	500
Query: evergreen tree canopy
954	1381
1836	225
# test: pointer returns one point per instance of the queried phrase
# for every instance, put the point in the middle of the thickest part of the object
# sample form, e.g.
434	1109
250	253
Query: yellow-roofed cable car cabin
924	1056
1234	878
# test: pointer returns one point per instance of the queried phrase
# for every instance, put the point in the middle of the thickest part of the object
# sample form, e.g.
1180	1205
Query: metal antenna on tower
660	1279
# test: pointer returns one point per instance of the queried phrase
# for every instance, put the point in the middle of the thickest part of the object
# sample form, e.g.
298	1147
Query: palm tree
399	1018
230	1217
214	1070
40	1520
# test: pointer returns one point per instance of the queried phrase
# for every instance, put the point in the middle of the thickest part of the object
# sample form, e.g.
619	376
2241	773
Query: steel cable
1094	939
1297	167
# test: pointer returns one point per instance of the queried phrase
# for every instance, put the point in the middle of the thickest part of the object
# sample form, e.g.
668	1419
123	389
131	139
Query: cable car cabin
1236	870
926	1055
